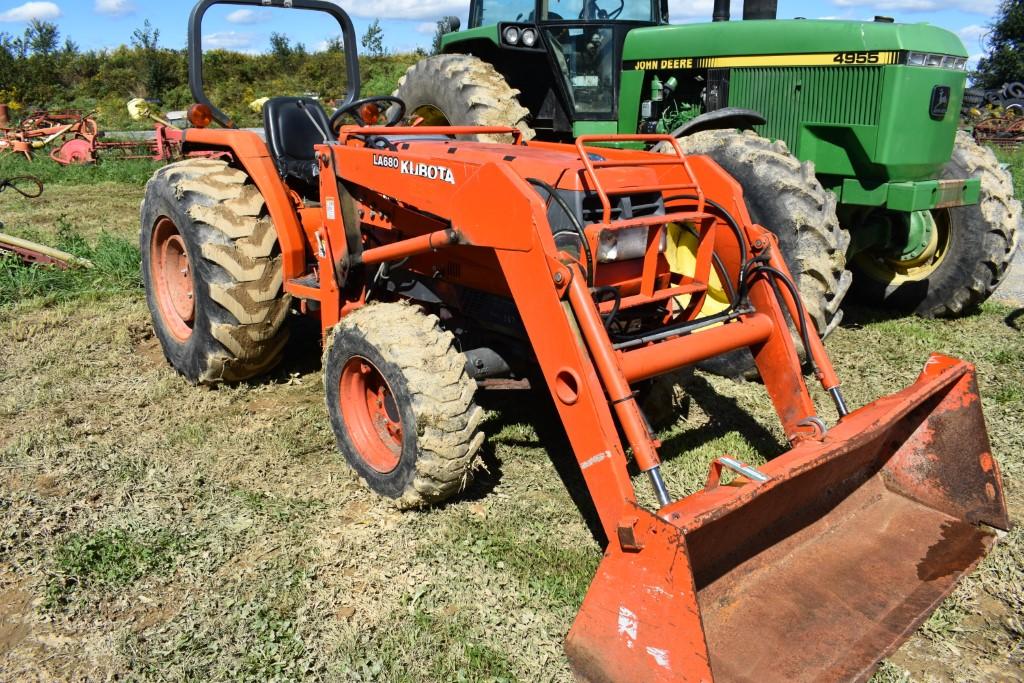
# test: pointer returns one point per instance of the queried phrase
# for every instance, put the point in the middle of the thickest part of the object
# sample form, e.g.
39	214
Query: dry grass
156	531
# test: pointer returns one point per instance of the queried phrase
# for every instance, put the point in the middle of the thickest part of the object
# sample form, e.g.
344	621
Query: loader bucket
815	574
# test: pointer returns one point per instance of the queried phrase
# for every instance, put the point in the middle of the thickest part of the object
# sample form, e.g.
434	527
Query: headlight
529	37
511	35
937	61
625	244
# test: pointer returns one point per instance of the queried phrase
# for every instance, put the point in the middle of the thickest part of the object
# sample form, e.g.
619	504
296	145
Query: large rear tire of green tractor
401	403
784	195
460	90
969	253
211	266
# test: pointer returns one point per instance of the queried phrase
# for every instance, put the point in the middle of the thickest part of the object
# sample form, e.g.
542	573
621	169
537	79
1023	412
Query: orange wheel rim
371	415
172	281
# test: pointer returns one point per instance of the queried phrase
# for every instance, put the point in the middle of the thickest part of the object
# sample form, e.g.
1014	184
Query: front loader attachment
813	567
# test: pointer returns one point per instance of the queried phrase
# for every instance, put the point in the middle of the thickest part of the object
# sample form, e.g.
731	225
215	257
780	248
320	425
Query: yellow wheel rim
882	267
682	259
431	115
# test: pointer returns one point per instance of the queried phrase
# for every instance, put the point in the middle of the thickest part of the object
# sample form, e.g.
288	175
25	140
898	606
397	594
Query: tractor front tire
461	90
401	403
975	247
784	196
212	272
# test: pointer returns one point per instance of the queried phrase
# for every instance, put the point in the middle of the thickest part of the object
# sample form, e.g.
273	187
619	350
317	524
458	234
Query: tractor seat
291	136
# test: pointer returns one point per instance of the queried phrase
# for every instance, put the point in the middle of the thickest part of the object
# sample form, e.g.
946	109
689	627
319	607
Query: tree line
41	69
1004	58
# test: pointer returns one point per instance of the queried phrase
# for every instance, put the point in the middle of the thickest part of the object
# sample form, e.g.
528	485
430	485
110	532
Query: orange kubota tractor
433	263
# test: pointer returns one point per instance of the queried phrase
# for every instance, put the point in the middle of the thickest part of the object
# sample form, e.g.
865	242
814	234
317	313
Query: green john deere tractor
843	134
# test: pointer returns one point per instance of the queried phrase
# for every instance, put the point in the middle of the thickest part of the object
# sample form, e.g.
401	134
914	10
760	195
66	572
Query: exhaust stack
752	9
760	9
721	12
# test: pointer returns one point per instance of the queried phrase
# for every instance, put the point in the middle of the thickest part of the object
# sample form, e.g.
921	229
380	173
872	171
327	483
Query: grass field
151	530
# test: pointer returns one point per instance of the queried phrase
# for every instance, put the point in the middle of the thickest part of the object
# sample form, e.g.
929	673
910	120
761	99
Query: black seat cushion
291	135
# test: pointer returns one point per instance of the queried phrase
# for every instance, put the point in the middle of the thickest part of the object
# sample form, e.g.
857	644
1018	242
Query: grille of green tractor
791	96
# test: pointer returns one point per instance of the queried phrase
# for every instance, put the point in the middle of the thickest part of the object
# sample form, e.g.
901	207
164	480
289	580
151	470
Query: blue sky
410	23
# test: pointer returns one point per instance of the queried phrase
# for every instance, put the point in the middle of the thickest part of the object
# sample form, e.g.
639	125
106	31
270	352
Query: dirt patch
150	352
15	608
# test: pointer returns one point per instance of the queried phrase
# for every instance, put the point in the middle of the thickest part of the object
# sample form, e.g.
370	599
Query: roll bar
195	47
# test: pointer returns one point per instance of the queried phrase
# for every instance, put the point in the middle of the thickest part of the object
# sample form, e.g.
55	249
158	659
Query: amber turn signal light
369	114
200	115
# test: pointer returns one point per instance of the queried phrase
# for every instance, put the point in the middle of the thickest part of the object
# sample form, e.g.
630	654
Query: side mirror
453	22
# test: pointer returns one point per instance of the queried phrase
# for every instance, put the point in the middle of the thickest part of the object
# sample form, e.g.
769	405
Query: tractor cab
578	42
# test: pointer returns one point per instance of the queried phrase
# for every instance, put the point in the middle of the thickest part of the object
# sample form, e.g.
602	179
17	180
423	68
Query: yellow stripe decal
871	58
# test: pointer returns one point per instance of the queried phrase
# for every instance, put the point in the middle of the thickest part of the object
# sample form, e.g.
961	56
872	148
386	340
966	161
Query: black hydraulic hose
802	327
13	184
732	222
599	292
574	219
737	297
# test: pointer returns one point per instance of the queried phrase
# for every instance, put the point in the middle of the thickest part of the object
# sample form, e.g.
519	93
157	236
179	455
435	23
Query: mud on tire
237	329
461	90
783	195
432	400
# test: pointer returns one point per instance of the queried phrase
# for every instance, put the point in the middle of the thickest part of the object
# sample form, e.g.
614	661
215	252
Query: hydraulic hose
574	219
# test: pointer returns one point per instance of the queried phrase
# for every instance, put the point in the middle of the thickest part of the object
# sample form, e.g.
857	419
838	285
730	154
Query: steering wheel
395	113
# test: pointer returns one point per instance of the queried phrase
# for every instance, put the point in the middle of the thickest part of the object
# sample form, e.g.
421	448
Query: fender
720	119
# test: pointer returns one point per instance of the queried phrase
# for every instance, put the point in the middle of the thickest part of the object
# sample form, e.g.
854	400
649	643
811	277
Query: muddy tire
211	267
784	196
977	246
461	90
401	404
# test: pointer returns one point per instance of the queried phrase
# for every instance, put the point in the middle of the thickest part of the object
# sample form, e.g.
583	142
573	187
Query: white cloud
987	7
404	9
229	40
973	34
30	11
427	27
115	8
247	16
699	10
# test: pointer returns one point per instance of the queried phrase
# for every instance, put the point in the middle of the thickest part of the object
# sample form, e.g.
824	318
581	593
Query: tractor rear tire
401	403
979	245
211	266
461	90
784	195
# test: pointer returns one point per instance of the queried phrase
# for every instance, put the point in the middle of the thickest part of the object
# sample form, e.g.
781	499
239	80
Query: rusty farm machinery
27	251
419	251
74	137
